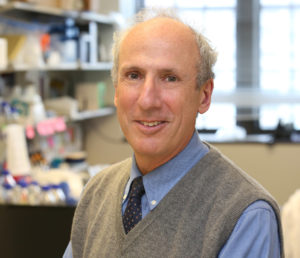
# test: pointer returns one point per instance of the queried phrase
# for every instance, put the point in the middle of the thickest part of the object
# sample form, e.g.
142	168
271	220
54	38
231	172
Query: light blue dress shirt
254	235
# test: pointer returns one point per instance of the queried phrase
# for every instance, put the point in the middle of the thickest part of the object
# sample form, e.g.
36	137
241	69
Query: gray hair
207	58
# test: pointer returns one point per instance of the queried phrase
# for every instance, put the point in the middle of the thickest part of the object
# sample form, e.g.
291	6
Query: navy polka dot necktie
133	211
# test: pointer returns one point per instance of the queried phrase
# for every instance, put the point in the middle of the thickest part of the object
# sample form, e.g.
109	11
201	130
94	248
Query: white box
90	96
3	53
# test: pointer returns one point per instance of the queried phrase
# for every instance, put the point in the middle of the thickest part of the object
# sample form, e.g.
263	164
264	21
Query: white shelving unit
21	9
99	66
100	27
84	115
28	7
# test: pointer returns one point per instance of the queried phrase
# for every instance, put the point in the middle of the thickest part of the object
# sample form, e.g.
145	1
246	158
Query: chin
148	149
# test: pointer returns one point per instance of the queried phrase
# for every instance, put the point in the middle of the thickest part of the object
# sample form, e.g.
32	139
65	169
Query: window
258	68
280	61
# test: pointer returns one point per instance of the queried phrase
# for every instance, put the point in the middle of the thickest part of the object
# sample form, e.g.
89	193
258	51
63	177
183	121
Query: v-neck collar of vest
133	234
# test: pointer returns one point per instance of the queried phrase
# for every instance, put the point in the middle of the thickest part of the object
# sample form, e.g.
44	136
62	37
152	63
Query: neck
147	163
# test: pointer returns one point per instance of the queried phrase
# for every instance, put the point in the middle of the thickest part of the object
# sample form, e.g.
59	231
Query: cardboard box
3	53
92	5
15	43
49	3
90	96
70	5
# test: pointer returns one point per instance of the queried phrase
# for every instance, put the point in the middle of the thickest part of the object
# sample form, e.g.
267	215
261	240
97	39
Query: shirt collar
161	180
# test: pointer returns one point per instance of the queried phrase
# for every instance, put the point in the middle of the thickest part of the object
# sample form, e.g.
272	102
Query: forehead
161	39
161	25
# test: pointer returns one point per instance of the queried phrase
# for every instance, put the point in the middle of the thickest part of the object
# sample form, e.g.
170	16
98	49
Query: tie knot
137	187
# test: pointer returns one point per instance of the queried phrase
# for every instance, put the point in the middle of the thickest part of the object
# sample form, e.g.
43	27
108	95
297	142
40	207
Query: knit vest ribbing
194	219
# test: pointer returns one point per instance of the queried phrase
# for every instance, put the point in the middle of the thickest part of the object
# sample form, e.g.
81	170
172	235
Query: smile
150	124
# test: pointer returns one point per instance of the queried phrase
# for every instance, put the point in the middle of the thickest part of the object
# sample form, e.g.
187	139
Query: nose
150	94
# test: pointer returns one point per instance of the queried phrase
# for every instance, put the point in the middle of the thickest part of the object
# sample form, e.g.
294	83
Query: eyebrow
169	70
161	70
127	68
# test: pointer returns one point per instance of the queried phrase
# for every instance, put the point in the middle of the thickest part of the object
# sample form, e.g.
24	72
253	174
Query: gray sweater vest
194	219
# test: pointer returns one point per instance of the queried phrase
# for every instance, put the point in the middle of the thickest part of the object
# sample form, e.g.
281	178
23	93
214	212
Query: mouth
150	127
151	124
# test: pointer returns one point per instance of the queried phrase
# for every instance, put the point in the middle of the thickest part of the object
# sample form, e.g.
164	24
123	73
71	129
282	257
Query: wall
126	7
276	167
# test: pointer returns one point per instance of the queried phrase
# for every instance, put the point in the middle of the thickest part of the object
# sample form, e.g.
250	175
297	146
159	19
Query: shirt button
153	202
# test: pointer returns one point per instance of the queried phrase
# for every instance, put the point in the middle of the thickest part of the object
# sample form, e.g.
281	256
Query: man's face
156	96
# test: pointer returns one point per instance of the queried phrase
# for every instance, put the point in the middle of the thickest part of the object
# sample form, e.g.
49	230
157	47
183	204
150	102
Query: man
193	202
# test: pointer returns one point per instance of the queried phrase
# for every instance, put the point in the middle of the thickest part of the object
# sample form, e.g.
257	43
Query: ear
116	97
206	91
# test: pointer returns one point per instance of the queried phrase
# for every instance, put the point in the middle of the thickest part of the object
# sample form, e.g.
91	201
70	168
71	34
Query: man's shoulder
114	170
109	176
227	172
233	184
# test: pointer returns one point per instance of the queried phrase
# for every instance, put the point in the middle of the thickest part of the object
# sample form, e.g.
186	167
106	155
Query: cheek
181	102
126	100
188	107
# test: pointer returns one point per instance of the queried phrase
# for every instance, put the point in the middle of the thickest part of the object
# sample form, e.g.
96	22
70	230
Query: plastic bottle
60	198
2	194
21	192
7	178
70	41
7	184
70	200
47	197
9	194
34	192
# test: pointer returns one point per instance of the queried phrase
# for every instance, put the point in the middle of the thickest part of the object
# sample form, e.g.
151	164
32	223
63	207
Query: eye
171	78
133	75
